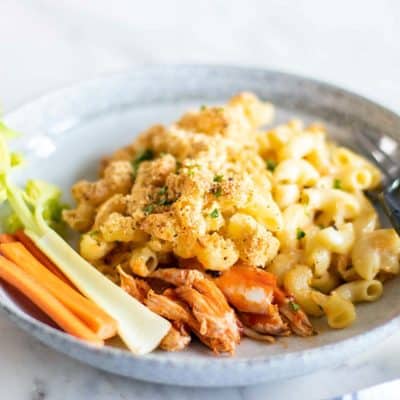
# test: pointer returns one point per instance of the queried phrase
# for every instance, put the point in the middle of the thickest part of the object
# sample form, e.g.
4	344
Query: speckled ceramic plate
68	131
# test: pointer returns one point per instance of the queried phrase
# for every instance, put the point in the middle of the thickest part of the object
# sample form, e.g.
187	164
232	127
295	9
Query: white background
45	44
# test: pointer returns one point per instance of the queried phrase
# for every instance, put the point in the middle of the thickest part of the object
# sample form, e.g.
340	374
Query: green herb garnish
217	191
165	202
214	213
163	190
300	234
337	184
271	165
145	155
218	178
178	166
203	107
94	234
294	306
148	209
191	169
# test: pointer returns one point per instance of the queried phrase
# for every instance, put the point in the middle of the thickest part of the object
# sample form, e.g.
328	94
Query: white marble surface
46	44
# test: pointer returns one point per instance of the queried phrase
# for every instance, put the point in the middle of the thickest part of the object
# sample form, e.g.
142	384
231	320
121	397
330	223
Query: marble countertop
46	44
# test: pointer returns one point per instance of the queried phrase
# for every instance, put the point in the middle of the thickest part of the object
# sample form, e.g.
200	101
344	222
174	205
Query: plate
68	131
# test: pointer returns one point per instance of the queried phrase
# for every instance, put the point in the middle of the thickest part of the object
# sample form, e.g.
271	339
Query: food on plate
225	227
215	227
98	321
139	328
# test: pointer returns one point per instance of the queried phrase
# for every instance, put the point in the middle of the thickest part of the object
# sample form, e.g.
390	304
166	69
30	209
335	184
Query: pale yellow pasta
118	227
320	157
359	291
283	263
297	282
338	240
316	256
286	194
342	264
257	112
335	205
376	251
296	171
321	244
297	147
215	189
185	245
295	217
345	159
326	282
160	247
356	179
93	247
216	253
367	220
143	261
255	243
340	313
324	182
115	204
265	210
280	135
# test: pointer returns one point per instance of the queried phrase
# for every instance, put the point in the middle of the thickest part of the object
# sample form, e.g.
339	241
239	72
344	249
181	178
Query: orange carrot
40	256
6	238
64	318
93	316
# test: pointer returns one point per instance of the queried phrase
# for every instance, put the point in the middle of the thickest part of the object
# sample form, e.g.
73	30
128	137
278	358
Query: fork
382	151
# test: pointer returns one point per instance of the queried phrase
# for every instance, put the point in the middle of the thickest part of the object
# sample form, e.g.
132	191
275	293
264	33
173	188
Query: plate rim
33	326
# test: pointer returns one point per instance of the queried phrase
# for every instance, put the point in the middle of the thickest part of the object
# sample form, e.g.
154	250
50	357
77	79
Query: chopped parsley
191	169
337	184
294	306
178	167
148	209
94	234
165	202
163	190
218	178
300	234
271	165
214	213
203	107
145	155
217	191
163	197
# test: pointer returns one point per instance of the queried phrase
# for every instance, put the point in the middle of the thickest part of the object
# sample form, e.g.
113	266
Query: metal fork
385	152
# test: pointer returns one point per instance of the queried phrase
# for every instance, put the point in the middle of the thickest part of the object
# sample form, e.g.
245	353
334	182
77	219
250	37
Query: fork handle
391	209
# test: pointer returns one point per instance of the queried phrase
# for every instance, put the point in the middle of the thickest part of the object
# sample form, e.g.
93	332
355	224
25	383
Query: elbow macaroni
215	189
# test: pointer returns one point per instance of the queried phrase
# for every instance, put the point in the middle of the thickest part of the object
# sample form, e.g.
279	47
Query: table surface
46	44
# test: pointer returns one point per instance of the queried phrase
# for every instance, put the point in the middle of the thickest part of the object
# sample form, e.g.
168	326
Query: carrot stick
40	256
93	316
64	318
6	238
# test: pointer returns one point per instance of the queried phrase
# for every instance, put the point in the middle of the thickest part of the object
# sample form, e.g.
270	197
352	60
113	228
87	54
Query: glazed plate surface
66	134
